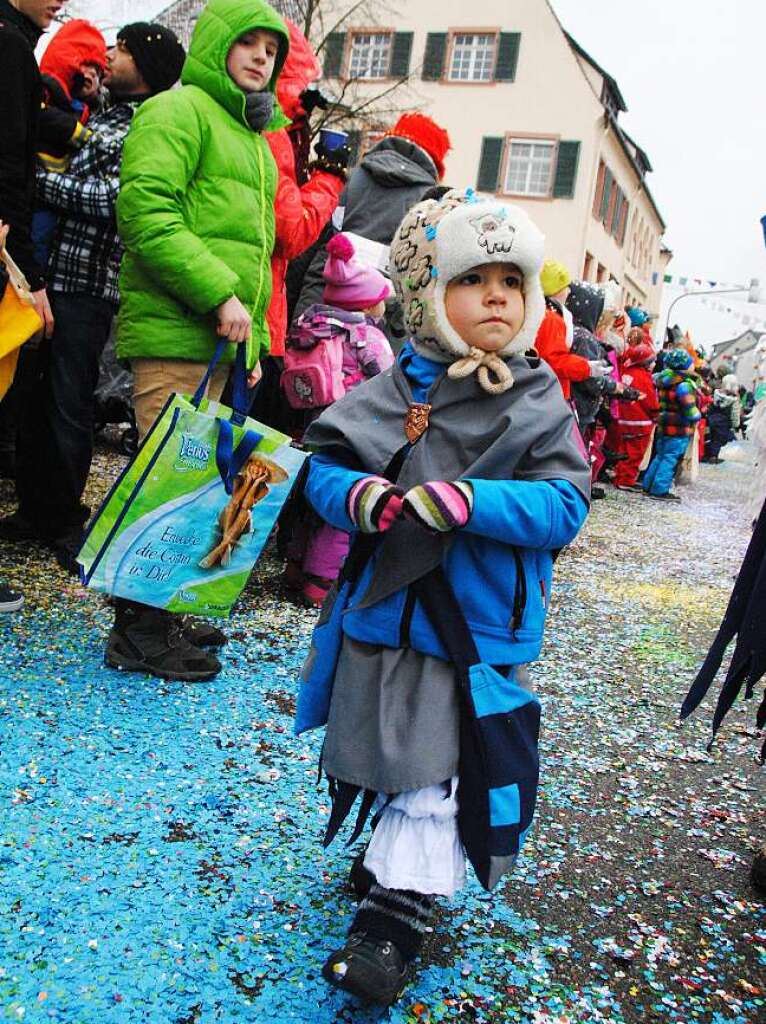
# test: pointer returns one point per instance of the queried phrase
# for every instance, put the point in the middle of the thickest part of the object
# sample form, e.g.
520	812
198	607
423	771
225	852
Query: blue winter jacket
500	564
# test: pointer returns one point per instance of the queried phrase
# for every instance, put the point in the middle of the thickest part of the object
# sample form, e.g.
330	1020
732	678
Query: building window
530	167
370	55
601	274
473	57
587	267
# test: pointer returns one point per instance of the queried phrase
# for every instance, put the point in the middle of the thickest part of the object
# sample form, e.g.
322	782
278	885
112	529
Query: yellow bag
19	321
7	371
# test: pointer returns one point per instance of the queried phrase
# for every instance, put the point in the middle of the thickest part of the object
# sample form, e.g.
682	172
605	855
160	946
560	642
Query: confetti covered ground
160	860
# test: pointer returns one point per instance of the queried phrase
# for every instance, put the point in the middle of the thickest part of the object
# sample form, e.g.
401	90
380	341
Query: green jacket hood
220	24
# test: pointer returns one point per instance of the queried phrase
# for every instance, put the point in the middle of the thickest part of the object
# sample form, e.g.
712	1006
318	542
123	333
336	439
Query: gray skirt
393	722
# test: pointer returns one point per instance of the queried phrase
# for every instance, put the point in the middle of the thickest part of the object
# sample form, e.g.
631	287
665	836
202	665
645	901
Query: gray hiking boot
151	640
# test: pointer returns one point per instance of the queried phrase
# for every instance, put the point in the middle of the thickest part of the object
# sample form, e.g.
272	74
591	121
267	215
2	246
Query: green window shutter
507	56
617	213
400	54
599	190
623	223
489	163
566	170
333	54
608	179
353	142
433	59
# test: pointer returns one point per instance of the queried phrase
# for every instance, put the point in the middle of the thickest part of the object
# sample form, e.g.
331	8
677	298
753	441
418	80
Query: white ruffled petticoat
416	845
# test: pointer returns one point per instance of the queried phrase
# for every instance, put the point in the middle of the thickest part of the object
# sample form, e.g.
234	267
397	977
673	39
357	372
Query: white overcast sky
692	74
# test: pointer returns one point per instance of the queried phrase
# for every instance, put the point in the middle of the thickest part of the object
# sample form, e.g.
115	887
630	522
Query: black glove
331	161
630	395
312	99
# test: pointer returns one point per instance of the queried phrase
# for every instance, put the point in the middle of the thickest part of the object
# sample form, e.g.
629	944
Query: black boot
385	937
372	969
151	640
758	873
200	633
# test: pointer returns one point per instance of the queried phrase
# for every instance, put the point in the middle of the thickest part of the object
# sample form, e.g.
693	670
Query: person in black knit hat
157	52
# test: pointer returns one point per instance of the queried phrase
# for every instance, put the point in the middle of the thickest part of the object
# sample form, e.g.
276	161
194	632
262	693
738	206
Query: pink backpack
313	373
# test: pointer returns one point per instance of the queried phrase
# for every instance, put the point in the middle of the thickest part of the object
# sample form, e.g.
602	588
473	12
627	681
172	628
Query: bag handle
239	381
229	459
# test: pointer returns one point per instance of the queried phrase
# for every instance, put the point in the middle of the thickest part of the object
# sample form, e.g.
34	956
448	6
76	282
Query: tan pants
154	380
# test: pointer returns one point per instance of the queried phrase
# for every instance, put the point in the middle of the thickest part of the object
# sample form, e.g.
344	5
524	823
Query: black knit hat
157	52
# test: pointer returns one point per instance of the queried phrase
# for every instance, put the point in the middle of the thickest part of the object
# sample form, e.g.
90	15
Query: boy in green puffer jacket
196	217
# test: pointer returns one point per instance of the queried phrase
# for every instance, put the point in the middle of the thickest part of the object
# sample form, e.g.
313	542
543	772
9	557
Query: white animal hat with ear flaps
440	239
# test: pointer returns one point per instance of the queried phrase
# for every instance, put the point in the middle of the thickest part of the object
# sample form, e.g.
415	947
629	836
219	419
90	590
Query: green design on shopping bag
169	535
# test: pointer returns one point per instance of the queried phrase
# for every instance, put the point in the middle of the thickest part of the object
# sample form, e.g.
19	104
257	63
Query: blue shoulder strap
239	381
229	459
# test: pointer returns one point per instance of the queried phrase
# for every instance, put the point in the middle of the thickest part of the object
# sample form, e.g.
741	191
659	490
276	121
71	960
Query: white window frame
541	192
376	49
468	46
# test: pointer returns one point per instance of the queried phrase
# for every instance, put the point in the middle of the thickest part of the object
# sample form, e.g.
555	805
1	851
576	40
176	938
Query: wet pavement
160	857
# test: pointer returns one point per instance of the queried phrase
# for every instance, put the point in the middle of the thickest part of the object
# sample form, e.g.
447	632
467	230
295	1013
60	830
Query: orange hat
427	134
76	43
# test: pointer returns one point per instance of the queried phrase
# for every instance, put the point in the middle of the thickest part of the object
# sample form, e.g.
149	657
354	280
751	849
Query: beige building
531	115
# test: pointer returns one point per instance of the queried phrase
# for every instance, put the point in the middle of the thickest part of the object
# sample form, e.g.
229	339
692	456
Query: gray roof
182	15
737	346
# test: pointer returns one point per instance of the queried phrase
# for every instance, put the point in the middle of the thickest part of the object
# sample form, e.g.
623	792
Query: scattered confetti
161	854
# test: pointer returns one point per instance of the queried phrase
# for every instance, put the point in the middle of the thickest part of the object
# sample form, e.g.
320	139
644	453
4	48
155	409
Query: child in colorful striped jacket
677	422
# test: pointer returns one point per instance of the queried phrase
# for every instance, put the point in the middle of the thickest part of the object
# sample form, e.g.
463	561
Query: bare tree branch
373	99
338	23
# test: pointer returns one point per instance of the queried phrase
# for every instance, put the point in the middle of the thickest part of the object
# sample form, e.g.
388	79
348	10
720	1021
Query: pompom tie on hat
486	365
349	283
157	53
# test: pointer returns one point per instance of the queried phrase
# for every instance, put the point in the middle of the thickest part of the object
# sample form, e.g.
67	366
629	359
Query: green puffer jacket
196	203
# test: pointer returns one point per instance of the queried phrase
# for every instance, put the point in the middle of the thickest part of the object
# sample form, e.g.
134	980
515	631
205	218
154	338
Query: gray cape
525	433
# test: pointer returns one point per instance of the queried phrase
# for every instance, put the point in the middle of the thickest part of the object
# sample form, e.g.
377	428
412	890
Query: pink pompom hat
351	284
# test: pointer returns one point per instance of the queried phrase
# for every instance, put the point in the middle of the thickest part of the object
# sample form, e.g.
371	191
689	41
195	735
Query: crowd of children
641	411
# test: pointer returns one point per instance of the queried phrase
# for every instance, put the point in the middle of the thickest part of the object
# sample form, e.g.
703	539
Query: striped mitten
440	506
374	503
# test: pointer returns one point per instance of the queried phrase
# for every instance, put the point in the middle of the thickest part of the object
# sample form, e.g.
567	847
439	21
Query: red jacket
300	213
551	344
638	418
